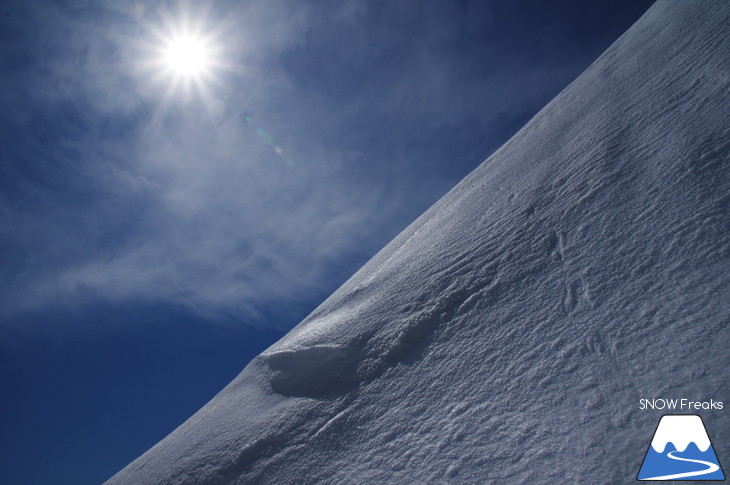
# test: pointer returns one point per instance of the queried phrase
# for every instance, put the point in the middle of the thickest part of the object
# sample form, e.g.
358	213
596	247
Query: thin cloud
327	138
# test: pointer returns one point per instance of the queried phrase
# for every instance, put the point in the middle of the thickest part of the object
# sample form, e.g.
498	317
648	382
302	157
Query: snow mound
510	331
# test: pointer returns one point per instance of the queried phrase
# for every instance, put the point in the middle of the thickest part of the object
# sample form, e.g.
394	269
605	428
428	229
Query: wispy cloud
336	124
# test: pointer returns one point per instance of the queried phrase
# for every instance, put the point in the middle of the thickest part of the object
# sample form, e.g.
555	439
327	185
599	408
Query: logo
680	450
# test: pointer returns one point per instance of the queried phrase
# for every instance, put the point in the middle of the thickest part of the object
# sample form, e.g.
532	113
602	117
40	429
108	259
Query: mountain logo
680	450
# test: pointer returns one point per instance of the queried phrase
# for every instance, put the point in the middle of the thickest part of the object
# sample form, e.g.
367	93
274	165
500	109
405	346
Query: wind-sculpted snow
510	331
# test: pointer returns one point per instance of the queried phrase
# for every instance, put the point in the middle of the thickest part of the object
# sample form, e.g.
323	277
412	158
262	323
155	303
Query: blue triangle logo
681	450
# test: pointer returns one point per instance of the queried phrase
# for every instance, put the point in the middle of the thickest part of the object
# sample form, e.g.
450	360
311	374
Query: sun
187	56
187	61
182	55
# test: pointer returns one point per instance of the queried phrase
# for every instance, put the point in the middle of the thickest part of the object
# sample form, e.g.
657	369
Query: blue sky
155	237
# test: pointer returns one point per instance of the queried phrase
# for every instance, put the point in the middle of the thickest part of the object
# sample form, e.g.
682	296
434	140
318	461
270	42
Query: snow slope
510	331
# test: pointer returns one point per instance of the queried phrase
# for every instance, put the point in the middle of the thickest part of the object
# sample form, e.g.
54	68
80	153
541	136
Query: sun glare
183	53
187	56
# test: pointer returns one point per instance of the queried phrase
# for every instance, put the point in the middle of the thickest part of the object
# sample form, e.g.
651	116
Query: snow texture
508	333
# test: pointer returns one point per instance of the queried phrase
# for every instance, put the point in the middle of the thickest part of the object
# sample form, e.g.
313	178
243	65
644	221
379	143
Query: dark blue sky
155	238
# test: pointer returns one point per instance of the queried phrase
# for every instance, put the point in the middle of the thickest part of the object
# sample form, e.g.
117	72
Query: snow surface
508	334
680	431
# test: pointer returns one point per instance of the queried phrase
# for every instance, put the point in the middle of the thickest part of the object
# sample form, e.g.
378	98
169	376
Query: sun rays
183	53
